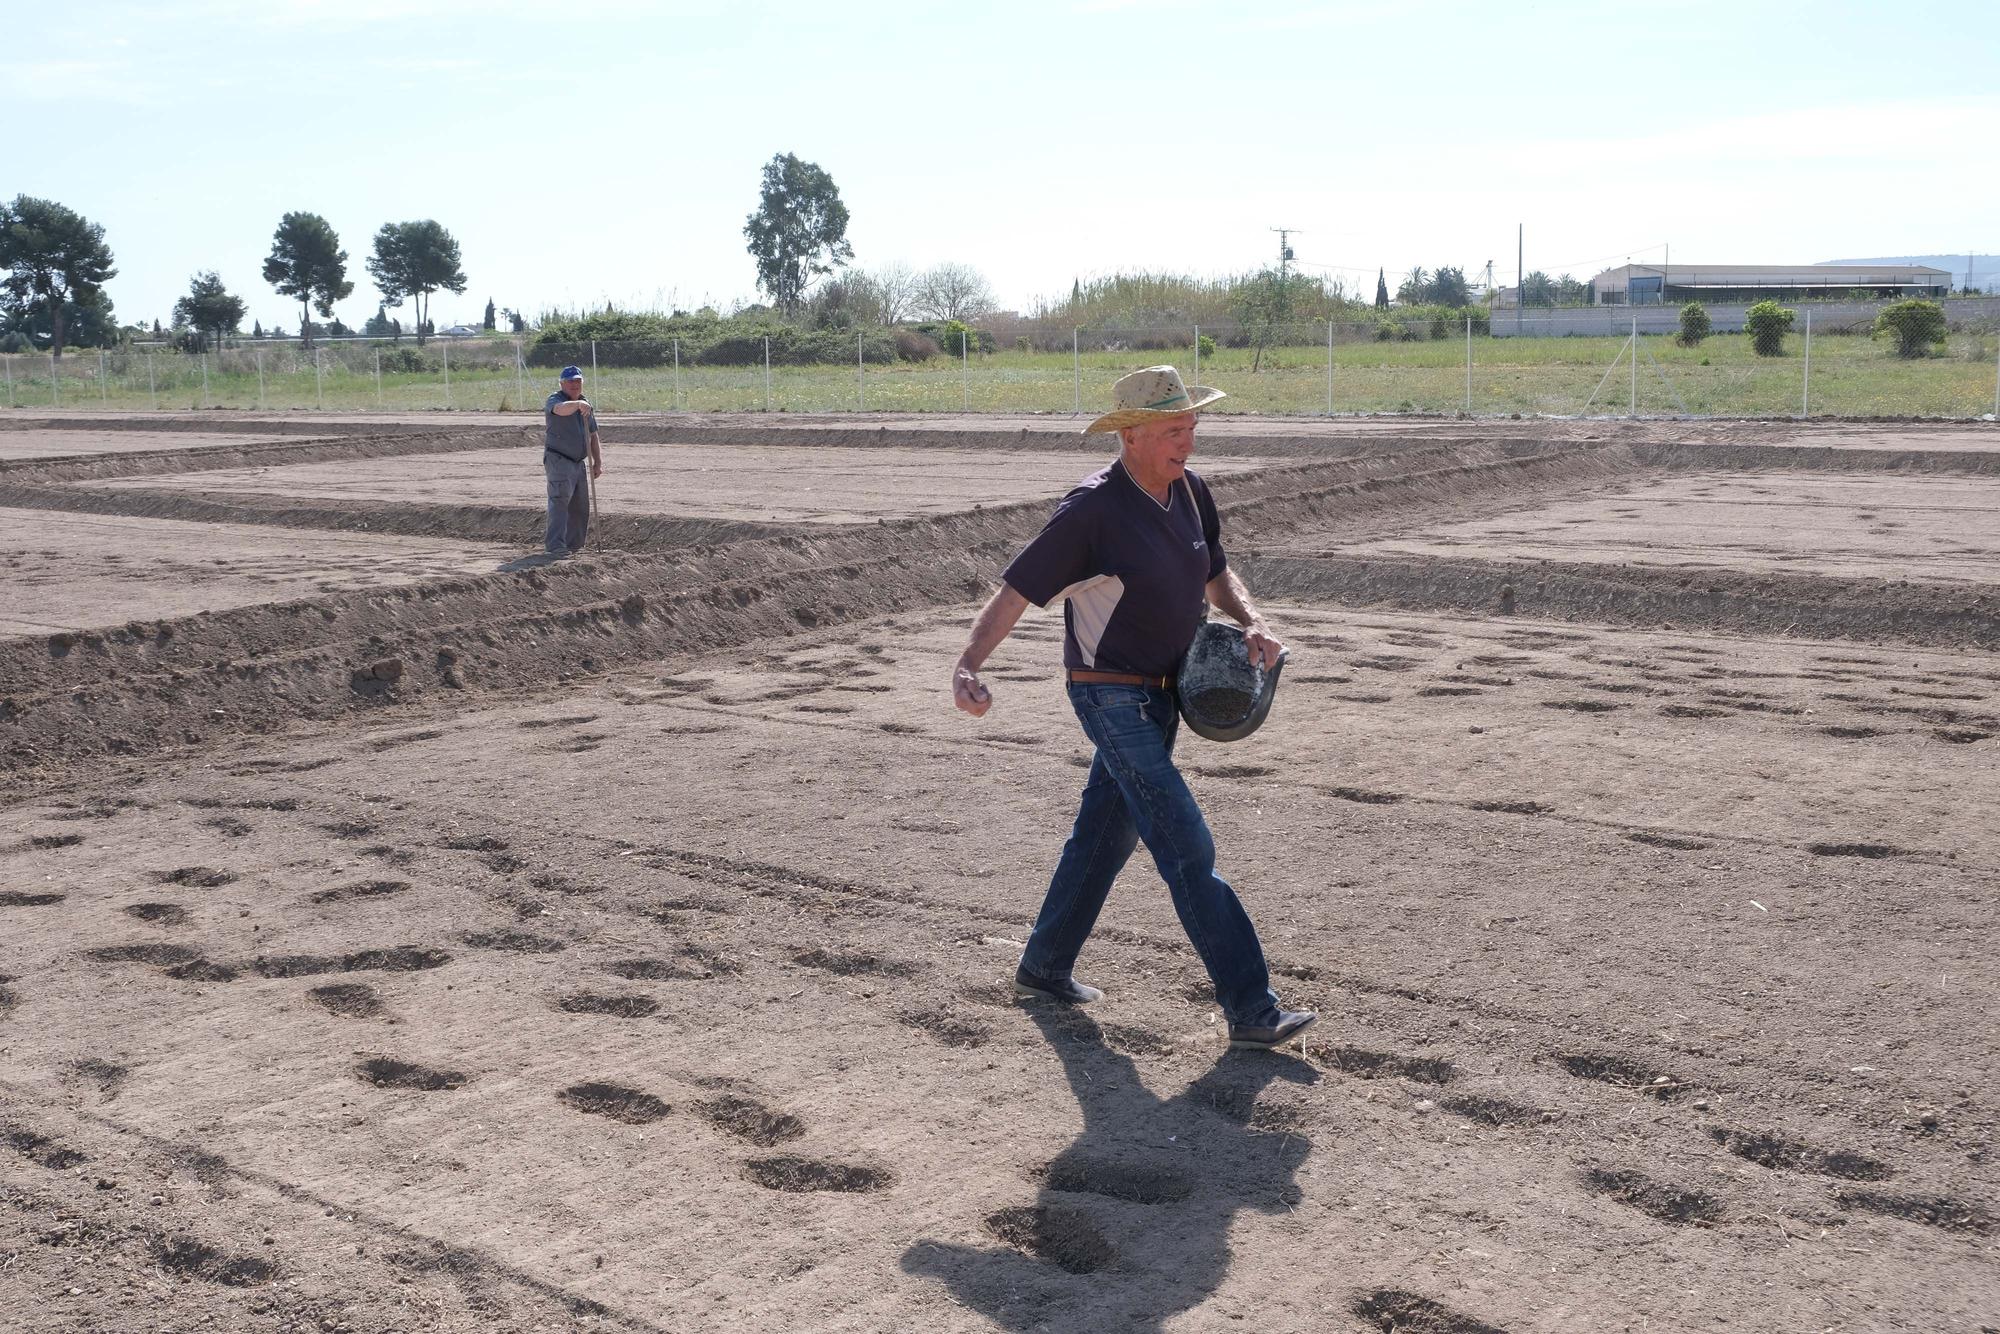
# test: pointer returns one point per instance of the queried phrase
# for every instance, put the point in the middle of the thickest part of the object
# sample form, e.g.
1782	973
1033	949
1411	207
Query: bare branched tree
951	292
894	286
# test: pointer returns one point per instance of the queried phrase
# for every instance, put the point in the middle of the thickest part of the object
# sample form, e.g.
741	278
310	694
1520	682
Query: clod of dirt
188	1259
386	1072
1141	1183
159	914
1872	851
349	1000
349	828
654	970
849	962
1960	736
202	970
624	1007
1494	1111
395	959
229	826
1063	1237
562	884
1939	1211
1771	1150
1376	1064
48	841
1514	807
748	1119
616	1101
951	1032
296	965
1617	1070
159	956
14	898
1852	733
1364	796
366	889
517	942
1669	1204
475	844
196	877
1582	705
1673	841
107	1075
1692	711
1394	1311
1447	692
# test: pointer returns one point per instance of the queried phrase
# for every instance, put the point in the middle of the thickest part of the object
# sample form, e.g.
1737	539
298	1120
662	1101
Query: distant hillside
1981	271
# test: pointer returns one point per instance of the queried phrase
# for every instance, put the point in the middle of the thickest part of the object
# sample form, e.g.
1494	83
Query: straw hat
1150	394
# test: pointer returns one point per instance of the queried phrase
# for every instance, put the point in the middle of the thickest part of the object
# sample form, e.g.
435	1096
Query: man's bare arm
571	406
1227	592
993	624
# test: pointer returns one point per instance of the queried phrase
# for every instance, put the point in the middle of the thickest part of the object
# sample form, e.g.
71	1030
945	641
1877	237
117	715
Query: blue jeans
1135	793
569	503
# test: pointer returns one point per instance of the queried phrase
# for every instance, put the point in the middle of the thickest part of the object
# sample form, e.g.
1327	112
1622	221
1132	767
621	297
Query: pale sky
612	151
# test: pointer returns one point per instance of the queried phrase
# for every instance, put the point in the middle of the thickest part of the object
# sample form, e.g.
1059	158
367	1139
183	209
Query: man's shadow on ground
1130	1225
530	562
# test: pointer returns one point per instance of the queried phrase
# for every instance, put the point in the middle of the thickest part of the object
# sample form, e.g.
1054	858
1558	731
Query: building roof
1772	275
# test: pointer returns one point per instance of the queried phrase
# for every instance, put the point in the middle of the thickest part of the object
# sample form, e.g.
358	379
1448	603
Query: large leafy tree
799	232
307	264
209	309
414	259
56	262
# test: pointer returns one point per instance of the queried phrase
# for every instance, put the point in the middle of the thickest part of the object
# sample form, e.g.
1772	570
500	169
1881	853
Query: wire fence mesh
1387	365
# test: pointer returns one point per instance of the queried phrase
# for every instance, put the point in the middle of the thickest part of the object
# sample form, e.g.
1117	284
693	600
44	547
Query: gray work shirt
567	435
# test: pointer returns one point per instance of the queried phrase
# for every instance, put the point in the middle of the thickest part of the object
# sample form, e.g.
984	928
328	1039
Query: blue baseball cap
572	373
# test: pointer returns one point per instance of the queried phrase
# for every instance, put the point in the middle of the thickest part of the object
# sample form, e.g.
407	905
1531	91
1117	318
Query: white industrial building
1673	284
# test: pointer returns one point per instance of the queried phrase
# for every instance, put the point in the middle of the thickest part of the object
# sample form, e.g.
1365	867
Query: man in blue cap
569	442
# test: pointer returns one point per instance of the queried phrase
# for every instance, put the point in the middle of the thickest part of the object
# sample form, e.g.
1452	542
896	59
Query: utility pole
1520	272
1285	249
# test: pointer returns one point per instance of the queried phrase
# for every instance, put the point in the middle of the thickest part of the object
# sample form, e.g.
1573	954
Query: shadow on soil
1141	1203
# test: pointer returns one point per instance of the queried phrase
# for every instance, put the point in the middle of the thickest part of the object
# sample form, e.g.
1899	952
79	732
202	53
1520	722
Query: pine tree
1381	290
256	328
489	326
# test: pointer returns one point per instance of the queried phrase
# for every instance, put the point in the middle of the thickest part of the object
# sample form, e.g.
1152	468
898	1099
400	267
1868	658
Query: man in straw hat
1135	552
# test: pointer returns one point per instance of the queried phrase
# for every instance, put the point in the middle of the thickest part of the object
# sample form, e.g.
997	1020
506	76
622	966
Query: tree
55	259
257	329
1415	289
1917	326
518	321
377	325
414	259
1262	303
1538	289
489	324
1449	288
951	292
1767	323
894	287
307	264
208	308
799	232
1694	324
1381	290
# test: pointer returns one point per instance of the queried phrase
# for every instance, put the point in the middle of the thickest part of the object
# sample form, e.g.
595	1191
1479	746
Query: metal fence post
9	359
445	348
103	382
319	376
1805	393
767	373
593	373
204	378
1468	365
964	375
378	376
259	354
152	385
1329	368
520	380
1633	409
1197	354
1076	359
677	374
860	386
1996	386
55	389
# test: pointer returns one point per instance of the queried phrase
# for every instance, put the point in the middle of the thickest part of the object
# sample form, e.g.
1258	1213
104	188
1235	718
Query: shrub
1385	332
1918	326
1440	326
1205	345
1407	334
1767	323
914	346
1695	324
408	361
1023	343
16	342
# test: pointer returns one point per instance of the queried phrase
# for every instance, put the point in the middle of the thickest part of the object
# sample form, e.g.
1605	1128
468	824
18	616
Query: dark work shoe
1067	990
1290	1024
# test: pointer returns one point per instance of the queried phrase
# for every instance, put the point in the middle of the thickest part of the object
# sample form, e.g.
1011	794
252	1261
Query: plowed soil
625	943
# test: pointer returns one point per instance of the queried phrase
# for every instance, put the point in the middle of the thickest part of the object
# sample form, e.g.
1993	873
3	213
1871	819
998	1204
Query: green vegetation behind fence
1850	376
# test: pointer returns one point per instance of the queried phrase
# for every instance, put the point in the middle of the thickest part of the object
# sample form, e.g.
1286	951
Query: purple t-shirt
1131	571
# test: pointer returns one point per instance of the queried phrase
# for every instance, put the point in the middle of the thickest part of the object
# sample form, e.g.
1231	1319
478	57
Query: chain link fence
1392	364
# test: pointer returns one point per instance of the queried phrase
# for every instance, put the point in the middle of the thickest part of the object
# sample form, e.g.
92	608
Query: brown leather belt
1079	677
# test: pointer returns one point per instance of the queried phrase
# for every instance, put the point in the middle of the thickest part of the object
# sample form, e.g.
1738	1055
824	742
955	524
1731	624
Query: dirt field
622	944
